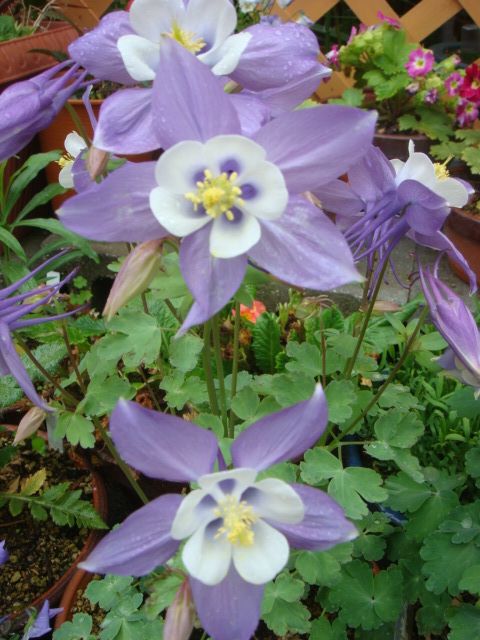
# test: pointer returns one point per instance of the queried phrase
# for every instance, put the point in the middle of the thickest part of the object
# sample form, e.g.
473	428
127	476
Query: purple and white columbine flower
12	310
456	324
420	62
4	555
28	107
231	198
74	146
237	529
385	201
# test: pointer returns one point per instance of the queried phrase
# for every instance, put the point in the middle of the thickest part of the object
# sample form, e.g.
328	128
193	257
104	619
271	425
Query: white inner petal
271	197
65	177
74	144
175	212
247	154
262	561
177	167
225	58
276	500
229	239
196	510
453	191
207	558
213	20
243	478
151	18
140	56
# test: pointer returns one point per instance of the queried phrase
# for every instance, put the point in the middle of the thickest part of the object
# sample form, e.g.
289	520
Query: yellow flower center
238	518
187	39
65	160
217	195
441	171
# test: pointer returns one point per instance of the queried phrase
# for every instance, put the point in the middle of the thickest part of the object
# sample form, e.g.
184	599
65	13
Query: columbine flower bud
97	161
180	615
29	424
138	270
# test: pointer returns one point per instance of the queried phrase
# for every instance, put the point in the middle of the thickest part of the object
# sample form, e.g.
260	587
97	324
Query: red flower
470	89
252	313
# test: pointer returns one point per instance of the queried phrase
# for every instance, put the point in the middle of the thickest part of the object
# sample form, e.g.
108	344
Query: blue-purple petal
323	526
212	281
314	146
252	112
141	543
230	609
189	102
4	555
125	124
425	210
283	435
161	445
97	50
305	249
117	209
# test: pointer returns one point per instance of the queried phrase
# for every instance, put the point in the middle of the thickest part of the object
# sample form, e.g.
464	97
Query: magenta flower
237	529
393	22
231	198
453	83
420	62
12	310
466	112
333	56
455	322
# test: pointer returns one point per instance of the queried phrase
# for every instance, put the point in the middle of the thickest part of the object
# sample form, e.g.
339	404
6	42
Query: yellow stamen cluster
65	160
187	39
238	518
441	171
217	195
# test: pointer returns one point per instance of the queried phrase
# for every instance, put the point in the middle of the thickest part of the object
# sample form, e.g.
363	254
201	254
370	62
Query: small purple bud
180	615
136	273
29	424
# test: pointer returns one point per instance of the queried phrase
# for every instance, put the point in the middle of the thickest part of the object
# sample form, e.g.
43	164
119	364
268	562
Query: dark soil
40	552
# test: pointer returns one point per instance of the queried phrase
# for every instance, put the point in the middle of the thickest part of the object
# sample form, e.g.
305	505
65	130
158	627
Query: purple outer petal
338	197
81	177
425	211
41	626
189	102
141	543
212	281
117	209
97	50
125	124
276	55
440	242
315	146
305	249
323	526
10	363
4	555
283	435
372	177
160	445
252	112
230	609
289	96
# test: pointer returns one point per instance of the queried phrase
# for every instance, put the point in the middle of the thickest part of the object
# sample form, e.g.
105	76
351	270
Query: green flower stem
221	380
366	319
72	358
207	367
123	466
236	350
77	122
363	414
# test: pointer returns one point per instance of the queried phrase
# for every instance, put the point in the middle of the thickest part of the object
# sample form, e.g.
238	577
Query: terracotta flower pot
395	145
79	581
463	229
99	498
17	60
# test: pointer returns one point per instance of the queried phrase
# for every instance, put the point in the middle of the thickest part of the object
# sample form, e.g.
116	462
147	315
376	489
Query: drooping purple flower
456	324
29	106
453	83
12	310
384	201
237	529
4	555
229	196
420	62
41	624
431	96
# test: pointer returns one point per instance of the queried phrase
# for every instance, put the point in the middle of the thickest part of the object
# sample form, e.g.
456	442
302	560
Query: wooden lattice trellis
419	22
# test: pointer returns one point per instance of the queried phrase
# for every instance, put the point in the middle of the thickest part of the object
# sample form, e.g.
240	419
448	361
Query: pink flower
467	112
393	22
453	83
252	313
470	89
333	55
420	62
